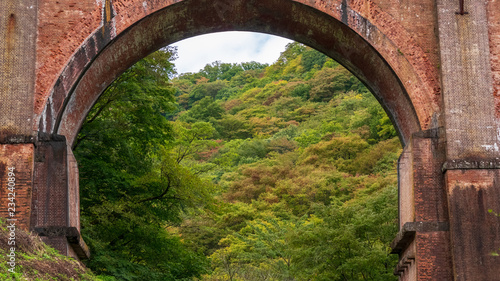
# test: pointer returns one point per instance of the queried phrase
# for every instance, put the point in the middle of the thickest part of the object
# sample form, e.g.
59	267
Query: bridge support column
446	229
18	32
472	177
56	204
423	243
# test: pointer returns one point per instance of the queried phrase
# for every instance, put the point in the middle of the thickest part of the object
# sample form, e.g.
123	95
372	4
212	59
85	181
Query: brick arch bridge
433	64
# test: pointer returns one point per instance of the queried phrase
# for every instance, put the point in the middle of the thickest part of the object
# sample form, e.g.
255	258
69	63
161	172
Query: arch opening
325	171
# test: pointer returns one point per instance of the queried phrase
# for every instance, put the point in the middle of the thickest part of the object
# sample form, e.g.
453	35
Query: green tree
132	188
313	59
330	82
203	110
233	127
225	71
204	89
351	243
260	251
253	65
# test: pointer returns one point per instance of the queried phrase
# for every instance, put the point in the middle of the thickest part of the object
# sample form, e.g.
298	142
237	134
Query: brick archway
434	69
403	84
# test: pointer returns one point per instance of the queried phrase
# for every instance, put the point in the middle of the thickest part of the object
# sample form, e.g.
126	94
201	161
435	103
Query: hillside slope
34	260
239	172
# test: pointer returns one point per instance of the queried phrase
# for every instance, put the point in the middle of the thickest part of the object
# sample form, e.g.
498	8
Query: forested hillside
239	172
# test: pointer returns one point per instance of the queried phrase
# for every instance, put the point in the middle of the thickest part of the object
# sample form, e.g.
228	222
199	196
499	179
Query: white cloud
228	47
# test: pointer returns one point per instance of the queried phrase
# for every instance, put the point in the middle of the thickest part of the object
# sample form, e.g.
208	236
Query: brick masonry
433	259
20	157
423	243
428	66
408	258
50	187
17	63
428	152
493	9
55	204
412	96
73	190
475	232
63	26
467	81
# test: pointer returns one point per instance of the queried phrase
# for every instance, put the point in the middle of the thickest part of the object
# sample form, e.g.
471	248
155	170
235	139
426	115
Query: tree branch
162	195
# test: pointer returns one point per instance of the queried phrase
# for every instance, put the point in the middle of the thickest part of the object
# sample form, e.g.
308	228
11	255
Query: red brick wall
63	26
475	233
411	28
429	196
19	156
17	69
433	259
423	189
494	34
422	197
50	197
129	12
419	19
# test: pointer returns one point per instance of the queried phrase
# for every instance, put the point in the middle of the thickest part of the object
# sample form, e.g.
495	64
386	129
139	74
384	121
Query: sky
228	47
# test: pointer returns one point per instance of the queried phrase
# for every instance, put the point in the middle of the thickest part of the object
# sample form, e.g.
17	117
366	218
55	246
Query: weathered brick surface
129	12
494	37
406	54
50	197
421	194
423	201
433	259
419	19
17	73
20	157
475	233
409	275
410	269
467	82
429	196
55	204
63	27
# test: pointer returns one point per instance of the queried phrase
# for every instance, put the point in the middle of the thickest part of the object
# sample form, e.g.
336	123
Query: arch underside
102	58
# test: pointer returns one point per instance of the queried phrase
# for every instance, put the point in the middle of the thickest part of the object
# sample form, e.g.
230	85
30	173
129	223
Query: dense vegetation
239	172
